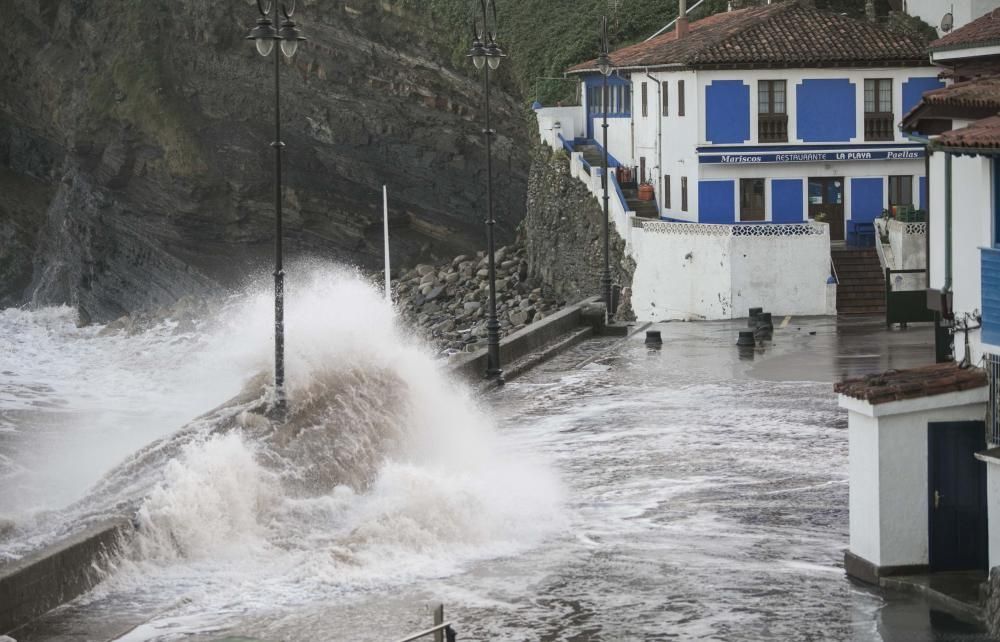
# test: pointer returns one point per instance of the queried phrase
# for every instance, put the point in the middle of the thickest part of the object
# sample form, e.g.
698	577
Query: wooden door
826	200
752	199
957	535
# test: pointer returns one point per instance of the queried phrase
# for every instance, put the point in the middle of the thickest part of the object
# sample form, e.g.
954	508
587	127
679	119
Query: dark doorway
957	496
826	201
752	199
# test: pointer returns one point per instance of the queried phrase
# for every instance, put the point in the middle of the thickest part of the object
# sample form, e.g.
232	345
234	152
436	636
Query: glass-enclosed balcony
991	295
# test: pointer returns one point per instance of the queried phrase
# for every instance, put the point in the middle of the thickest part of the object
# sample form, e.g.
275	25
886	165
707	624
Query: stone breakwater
448	303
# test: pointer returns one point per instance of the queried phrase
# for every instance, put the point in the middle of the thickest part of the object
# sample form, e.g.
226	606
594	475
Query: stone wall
562	232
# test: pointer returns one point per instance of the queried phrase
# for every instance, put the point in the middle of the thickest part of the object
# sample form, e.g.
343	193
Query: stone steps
861	288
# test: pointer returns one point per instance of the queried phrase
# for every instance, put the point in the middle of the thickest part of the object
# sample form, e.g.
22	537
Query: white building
921	496
956	13
766	114
774	115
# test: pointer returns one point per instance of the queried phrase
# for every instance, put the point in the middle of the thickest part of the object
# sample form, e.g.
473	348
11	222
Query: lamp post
486	56
605	67
265	35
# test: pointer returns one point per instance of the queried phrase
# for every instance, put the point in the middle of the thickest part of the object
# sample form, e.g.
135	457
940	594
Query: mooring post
438	621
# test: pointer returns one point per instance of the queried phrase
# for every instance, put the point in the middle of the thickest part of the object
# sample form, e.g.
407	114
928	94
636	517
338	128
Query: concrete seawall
43	580
65	570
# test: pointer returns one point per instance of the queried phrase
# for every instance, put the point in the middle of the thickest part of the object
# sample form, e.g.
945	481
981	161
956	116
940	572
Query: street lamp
486	56
605	67
264	36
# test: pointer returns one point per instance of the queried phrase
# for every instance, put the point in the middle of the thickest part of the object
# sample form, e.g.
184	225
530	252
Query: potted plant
646	192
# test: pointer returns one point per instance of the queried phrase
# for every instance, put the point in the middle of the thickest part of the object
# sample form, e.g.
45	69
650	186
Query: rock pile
449	303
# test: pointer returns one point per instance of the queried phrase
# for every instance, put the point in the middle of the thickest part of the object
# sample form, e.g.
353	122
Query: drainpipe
659	136
947	222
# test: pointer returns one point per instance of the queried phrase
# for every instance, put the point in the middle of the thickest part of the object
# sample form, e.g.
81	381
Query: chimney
682	19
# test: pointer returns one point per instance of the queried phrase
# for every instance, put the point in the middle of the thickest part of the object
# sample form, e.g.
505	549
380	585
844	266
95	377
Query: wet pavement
704	498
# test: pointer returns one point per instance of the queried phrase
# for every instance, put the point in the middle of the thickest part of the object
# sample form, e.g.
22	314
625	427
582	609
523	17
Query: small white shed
917	491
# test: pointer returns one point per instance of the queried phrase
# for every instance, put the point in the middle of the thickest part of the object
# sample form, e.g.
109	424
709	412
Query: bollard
752	317
747	340
764	319
653	338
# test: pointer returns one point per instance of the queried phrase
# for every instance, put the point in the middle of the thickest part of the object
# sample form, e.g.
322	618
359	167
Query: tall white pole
385	230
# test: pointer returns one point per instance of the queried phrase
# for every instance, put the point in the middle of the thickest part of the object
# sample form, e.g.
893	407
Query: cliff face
562	232
135	158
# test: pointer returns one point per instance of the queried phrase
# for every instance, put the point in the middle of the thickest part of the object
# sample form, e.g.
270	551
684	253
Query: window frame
645	100
680	98
665	106
666	191
875	128
895	182
684	193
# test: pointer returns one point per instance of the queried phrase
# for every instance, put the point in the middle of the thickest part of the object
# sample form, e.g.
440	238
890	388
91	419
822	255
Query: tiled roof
776	35
981	31
926	381
981	92
982	134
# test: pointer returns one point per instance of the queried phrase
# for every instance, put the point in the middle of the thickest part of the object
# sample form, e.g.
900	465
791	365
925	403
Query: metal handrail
446	628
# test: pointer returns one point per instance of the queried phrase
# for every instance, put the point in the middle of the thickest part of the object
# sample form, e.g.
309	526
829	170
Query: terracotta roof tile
982	134
926	381
981	92
981	31
777	35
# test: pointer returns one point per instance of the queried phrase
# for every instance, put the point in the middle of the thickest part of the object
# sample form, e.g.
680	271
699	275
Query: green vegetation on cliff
544	37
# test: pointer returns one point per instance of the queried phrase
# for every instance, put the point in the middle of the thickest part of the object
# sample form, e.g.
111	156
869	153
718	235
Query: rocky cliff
135	159
562	232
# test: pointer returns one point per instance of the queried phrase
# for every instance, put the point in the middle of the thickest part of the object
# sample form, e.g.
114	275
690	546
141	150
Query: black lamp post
605	67
265	35
486	55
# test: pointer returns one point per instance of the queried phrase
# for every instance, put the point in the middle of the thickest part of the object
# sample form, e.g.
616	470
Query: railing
755	229
442	631
992	364
772	128
879	126
566	145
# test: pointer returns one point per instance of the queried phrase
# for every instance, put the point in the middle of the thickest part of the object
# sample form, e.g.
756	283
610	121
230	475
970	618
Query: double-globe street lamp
486	56
605	67
265	35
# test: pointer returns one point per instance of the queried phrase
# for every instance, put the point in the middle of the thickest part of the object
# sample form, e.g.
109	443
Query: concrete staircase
642	209
861	289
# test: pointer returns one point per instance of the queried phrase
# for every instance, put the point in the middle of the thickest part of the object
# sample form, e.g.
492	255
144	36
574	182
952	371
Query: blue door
957	496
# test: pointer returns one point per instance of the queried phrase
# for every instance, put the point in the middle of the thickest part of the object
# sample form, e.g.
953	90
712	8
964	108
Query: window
680	98
900	190
665	89
772	117
642	169
752	199
666	191
879	121
684	193
645	108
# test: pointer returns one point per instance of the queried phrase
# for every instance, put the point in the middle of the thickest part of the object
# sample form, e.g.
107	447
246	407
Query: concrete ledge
55	575
861	569
532	338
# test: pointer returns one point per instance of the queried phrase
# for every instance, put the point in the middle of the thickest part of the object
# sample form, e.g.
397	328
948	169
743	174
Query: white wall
863	490
694	271
893	531
993	511
909	252
965	11
568	121
972	208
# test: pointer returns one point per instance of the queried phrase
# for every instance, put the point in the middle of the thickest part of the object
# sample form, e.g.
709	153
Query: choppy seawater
616	493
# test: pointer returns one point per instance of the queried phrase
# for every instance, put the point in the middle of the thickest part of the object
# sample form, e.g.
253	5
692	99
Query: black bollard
746	340
764	319
653	338
752	317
